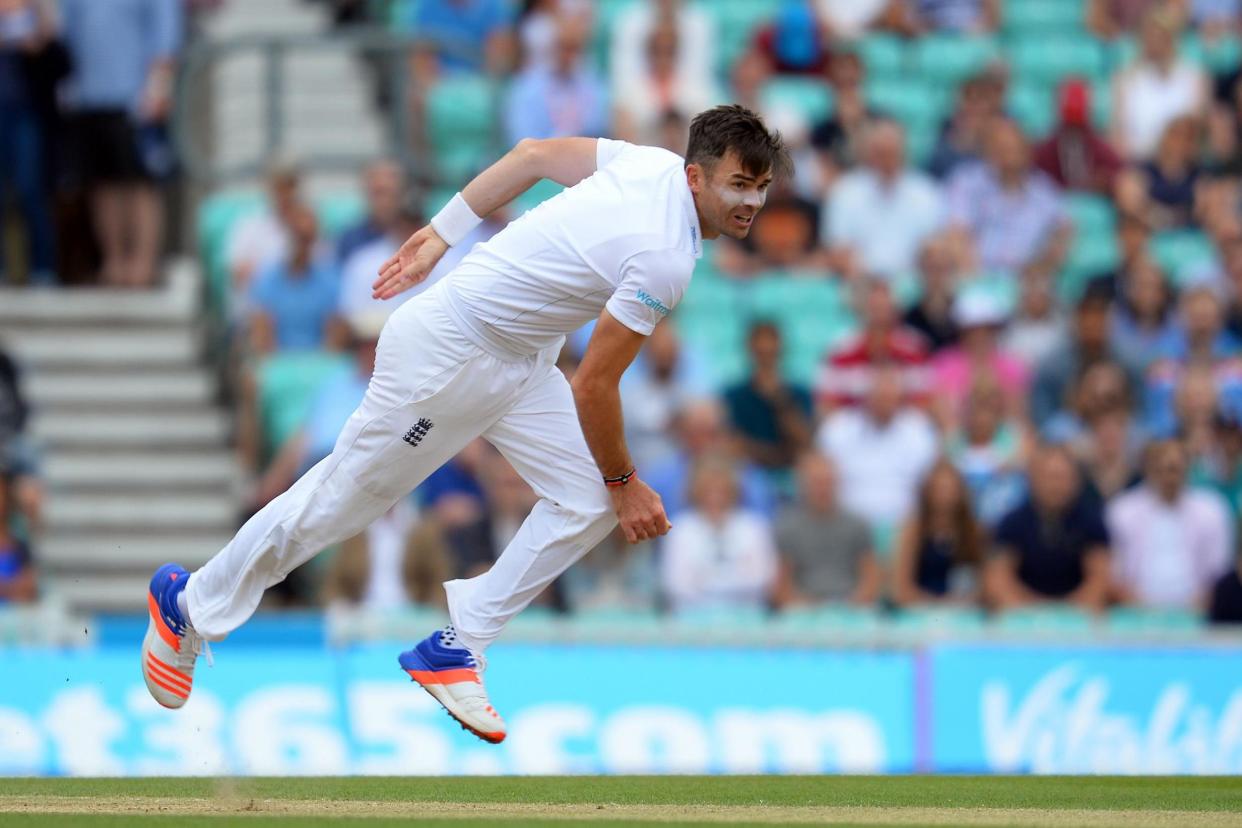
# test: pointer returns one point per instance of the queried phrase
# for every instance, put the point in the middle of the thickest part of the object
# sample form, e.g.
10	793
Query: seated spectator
32	61
1101	387
294	300
1157	88
1225	605
882	449
1074	155
1111	19
654	389
1038	327
539	21
453	494
18	455
1005	213
120	96
837	140
1199	339
460	36
632	28
1143	319
475	545
989	451
939	551
1162	191
561	99
395	562
980	100
878	215
977	356
383	183
1170	542
851	19
1108	450
771	417
932	315
333	403
1053	548
261	238
1231	277
1220	467
782	237
825	551
846	377
615	575
701	432
1088	343
664	81
1215	19
795	42
18	582
957	16
718	555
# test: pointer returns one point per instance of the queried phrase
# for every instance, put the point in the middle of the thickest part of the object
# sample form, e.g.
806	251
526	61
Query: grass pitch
601	802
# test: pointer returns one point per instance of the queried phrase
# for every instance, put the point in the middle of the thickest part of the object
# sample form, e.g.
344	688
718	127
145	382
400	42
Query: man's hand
410	265
640	511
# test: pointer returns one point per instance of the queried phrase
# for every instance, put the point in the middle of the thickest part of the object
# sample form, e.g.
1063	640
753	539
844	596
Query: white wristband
455	221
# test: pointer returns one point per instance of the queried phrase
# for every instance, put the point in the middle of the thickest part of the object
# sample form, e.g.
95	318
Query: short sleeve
607	149
652	283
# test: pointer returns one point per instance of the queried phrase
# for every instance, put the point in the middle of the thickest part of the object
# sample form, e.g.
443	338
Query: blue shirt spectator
462	28
114	45
299	304
337	399
671	481
558	100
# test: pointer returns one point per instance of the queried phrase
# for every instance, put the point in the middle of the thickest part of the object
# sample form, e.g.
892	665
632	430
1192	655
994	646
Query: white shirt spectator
1169	555
851	18
360	268
884	225
1010	227
880	465
256	241
1148	100
696	48
732	564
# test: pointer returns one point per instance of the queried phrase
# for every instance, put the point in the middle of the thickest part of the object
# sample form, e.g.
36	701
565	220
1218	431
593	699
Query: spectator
1162	192
460	36
1142	319
539	23
1220	469
1215	19
882	450
782	237
878	216
851	19
659	89
392	564
31	62
771	416
825	551
988	450
383	182
1109	450
938	554
662	59
700	430
1074	155
615	575
453	494
261	238
932	315
1231	276
294	300
718	555
120	95
659	385
1197	407
561	99
1089	343
1101	386
1111	19
1158	87
958	16
18	583
977	356
18	456
475	545
795	43
847	373
1005	213
980	100
838	138
1053	548
1171	542
1225	606
1038	326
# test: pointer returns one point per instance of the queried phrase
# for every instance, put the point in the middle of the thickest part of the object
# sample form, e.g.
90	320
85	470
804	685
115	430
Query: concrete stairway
135	443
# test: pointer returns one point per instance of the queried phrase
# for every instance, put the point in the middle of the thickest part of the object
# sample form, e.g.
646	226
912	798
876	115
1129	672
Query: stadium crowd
1000	420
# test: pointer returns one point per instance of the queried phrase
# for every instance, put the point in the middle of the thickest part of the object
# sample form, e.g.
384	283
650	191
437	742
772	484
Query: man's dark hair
717	131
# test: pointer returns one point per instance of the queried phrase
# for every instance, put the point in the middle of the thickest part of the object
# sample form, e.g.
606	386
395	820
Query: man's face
886	151
1166	470
1054	481
1091	323
765	347
1201	316
384	185
1007	149
727	196
818	483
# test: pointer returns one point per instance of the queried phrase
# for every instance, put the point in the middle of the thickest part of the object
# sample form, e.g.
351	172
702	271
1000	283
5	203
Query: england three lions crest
418	431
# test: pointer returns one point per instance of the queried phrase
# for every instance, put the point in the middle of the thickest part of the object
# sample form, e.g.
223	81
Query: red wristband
616	482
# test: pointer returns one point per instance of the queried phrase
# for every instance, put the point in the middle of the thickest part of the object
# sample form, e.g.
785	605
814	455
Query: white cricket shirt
625	238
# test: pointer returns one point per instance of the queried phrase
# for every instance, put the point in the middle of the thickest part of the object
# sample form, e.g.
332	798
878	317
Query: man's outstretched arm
563	160
597	397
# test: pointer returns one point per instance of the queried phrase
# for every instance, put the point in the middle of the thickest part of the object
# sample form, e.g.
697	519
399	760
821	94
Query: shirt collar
692	218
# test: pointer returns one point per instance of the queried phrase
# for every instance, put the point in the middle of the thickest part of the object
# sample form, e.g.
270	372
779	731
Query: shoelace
192	646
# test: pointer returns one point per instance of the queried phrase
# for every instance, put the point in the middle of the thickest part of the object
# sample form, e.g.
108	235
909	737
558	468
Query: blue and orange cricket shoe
171	646
454	677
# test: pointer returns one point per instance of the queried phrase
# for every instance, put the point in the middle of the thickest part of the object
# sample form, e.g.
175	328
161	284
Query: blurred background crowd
983	350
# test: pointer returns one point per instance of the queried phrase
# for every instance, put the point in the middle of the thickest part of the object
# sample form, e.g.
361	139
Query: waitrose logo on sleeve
653	303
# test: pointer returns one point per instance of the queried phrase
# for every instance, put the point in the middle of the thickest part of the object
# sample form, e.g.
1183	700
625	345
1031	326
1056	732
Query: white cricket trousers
433	391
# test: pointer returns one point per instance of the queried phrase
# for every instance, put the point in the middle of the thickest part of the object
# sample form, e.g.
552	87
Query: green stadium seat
884	56
1090	213
338	212
1051	60
1182	254
1032	105
288	383
1222	55
217	215
736	24
1053	620
809	97
950	59
939	620
461	123
829	619
536	195
914	103
1145	621
1043	17
1091	254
